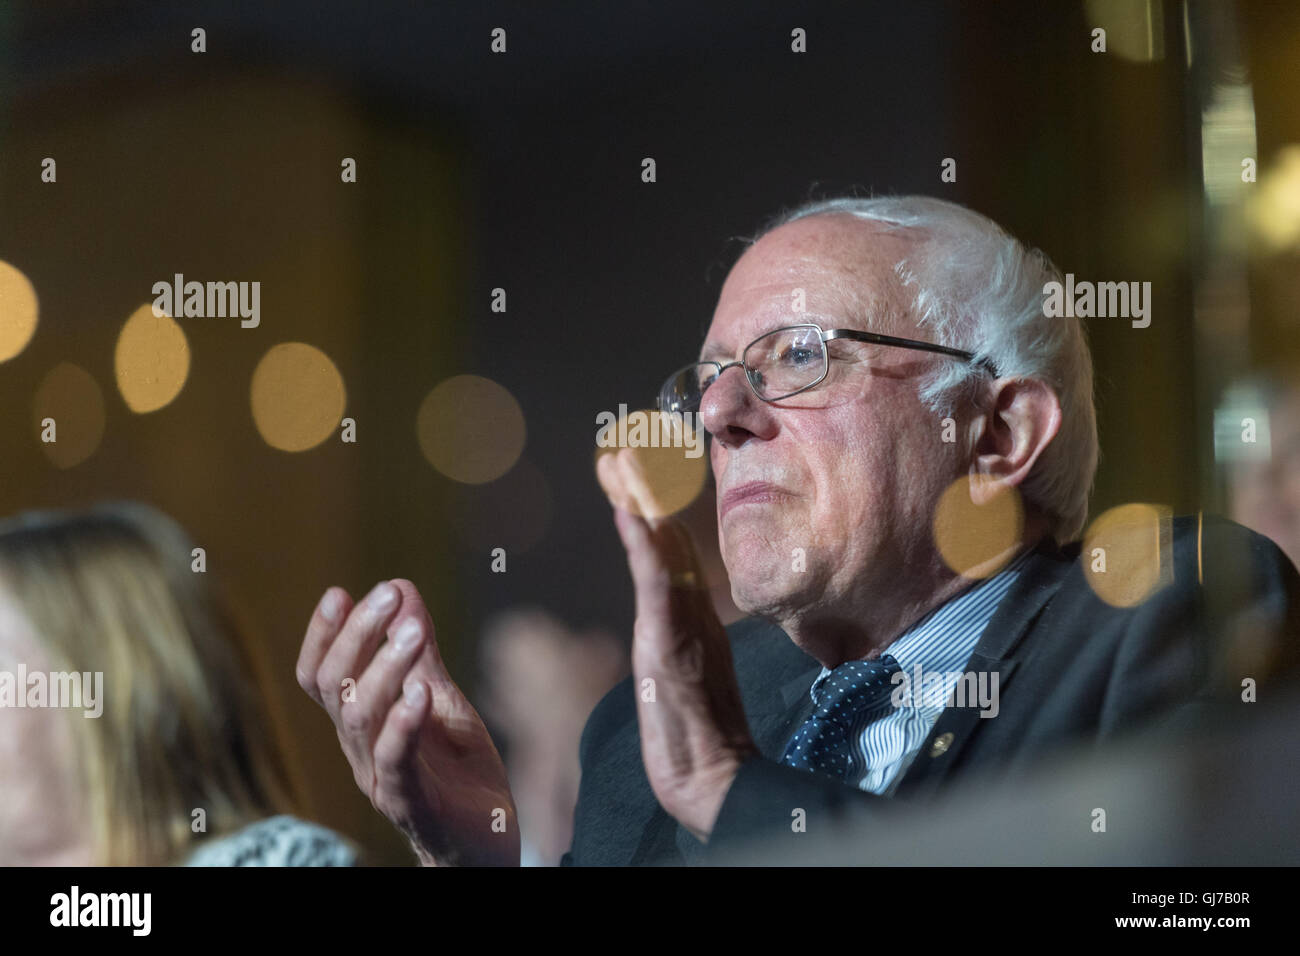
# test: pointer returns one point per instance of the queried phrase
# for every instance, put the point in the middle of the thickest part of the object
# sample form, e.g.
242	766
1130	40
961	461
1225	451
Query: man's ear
1020	419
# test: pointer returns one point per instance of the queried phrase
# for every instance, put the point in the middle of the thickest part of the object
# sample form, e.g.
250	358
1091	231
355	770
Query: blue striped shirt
887	737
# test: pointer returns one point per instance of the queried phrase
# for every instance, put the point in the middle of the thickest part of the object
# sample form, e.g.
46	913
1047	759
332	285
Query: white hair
975	287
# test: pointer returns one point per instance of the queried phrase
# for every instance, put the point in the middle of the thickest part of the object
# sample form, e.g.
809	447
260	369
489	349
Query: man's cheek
717	459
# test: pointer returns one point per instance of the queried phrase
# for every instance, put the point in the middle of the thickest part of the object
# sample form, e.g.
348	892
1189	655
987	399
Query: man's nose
732	413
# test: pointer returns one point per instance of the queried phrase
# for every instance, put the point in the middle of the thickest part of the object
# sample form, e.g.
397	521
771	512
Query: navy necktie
824	743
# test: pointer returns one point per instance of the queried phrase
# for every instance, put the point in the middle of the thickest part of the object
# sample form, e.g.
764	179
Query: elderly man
867	358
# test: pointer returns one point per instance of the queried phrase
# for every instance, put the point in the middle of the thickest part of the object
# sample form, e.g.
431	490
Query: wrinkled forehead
835	271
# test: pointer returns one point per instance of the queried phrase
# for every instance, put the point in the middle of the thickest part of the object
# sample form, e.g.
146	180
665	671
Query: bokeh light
1273	209
18	311
471	429
977	540
668	478
70	396
152	360
1128	553
1135	29
297	396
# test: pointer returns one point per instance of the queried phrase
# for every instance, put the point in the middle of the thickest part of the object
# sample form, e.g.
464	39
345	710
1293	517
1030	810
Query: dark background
522	171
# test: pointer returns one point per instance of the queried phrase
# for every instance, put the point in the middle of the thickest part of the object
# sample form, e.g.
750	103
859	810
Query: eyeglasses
784	362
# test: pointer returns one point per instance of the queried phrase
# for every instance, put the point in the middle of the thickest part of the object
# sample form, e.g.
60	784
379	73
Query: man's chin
774	596
766	571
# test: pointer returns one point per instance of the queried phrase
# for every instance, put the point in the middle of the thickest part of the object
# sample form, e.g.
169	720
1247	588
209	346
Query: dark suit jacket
1072	670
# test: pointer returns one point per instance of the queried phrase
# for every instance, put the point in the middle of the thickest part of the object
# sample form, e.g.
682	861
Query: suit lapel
995	652
773	725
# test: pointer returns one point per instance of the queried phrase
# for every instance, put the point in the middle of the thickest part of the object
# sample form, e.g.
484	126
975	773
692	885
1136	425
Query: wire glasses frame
684	390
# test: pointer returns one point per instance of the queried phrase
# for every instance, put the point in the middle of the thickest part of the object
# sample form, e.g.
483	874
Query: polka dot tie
823	743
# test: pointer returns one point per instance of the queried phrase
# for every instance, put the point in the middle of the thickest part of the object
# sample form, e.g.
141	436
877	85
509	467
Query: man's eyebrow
714	350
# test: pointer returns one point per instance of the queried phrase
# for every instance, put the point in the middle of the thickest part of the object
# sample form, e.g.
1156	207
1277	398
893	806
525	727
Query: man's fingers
611	482
398	743
413	608
411	657
637	484
438	709
381	683
326	621
660	557
428	666
352	650
623	477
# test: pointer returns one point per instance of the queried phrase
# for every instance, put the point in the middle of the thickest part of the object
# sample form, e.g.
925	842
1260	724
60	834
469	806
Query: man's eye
798	357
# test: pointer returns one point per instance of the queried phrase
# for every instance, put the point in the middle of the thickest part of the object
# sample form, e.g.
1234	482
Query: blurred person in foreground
166	759
847	338
1261	448
540	681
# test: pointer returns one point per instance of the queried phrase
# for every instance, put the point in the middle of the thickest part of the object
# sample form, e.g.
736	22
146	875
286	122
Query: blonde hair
182	729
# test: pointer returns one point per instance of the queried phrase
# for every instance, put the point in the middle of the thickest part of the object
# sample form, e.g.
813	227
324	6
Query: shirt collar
944	639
